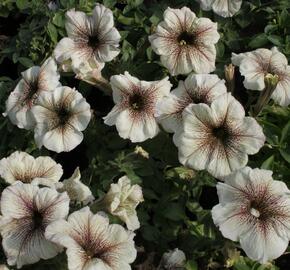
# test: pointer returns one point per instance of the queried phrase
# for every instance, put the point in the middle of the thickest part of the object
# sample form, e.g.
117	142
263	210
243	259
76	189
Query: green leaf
173	211
285	154
191	265
284	18
22	4
268	163
52	32
276	40
258	41
58	20
285	132
25	62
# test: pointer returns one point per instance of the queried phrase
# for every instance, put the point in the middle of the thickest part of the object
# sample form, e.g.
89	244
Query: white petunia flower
61	116
218	138
76	190
197	88
174	259
186	43
35	80
255	65
254	209
20	166
26	211
90	38
224	8
93	243
135	106
3	267
122	200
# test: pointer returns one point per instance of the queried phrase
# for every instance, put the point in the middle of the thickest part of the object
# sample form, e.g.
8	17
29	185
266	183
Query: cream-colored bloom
61	116
90	38
174	259
254	209
93	243
26	212
3	267
186	43
75	189
122	200
135	106
224	8
197	88
20	166
35	80
255	65
218	138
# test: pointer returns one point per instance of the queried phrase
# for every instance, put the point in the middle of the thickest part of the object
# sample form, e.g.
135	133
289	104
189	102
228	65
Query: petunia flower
197	88
93	243
35	80
256	65
61	116
218	138
90	38
135	106
122	200
20	166
224	8
26	212
174	259
254	209
186	43
76	190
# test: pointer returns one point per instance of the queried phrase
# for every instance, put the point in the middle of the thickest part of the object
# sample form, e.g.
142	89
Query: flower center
37	219
137	102
255	212
93	41
221	133
186	38
63	115
31	93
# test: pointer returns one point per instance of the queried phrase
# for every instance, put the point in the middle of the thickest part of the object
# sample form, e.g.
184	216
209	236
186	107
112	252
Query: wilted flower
218	138
20	166
254	209
61	116
140	151
26	211
76	190
135	106
90	38
186	43
257	64
122	200
35	80
92	243
197	88
174	259
224	8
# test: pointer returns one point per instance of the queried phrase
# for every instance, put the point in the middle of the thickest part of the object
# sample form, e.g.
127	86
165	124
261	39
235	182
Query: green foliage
178	200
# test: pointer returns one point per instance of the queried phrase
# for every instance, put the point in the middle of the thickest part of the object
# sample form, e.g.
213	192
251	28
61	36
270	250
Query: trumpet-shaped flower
20	166
26	212
218	138
197	88
174	259
90	38
186	43
255	65
224	8
122	200
76	190
35	80
135	106
61	116
254	209
93	243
